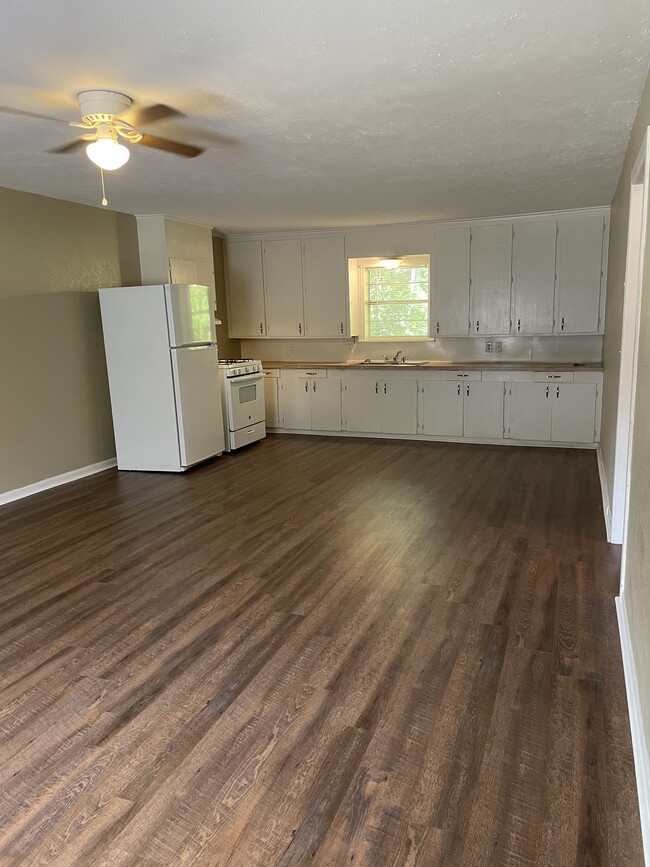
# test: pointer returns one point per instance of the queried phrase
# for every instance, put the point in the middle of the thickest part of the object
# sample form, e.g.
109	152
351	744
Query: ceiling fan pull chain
104	199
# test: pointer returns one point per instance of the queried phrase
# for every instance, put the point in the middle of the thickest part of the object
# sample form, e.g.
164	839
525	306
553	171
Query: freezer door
190	316
198	403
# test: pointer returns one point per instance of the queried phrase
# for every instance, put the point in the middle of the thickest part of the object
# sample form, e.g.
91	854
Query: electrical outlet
488	346
498	346
292	347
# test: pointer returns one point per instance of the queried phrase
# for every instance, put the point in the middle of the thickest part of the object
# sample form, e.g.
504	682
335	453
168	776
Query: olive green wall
620	214
228	346
55	414
637	554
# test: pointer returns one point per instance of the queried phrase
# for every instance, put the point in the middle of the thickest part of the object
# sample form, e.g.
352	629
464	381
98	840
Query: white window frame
363	266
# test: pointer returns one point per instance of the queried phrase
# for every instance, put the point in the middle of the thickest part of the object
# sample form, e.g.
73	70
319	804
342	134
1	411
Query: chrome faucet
396	357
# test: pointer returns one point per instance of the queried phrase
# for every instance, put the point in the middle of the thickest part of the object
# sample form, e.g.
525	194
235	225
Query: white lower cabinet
310	404
271	399
360	405
523	406
557	412
483	410
380	406
461	408
440	408
530	411
574	412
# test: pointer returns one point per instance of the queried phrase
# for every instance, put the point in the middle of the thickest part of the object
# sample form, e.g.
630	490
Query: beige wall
53	389
637	588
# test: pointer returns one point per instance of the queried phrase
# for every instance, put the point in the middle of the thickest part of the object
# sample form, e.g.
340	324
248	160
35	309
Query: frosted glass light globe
107	154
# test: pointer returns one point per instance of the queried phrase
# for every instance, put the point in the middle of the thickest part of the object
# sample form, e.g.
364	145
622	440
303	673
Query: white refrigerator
163	375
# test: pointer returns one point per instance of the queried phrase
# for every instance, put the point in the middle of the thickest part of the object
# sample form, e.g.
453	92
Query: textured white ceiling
343	112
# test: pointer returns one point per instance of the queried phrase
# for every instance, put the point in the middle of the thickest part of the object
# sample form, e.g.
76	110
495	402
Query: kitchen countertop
442	365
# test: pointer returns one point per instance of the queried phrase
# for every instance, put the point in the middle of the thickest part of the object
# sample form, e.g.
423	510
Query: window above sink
392	298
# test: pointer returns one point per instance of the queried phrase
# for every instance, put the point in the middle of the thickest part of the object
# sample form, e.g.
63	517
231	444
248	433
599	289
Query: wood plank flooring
317	651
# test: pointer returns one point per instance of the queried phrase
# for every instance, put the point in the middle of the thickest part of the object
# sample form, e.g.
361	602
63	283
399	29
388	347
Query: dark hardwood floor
317	651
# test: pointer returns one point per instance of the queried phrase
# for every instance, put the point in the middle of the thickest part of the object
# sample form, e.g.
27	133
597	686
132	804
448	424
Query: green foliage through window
200	313
397	302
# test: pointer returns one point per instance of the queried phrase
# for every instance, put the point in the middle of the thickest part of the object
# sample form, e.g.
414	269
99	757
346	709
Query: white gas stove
242	394
239	366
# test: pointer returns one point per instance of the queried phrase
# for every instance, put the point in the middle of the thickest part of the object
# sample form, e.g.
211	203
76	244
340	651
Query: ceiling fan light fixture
107	154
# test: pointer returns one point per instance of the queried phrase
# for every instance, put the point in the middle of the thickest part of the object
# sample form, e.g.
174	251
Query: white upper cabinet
324	268
579	274
450	281
246	289
491	278
284	288
533	273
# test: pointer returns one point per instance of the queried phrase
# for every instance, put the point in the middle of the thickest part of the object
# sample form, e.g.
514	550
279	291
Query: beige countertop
441	365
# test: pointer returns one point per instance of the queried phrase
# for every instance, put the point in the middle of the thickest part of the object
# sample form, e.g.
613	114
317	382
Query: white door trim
637	228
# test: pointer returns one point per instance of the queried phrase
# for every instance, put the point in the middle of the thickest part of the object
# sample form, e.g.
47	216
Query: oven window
247	393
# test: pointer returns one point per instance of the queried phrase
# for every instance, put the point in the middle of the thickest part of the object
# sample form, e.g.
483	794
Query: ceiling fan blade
174	147
68	148
138	117
5	109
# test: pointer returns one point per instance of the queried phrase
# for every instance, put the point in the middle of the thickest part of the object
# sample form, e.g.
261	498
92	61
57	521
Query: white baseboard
604	490
55	481
639	744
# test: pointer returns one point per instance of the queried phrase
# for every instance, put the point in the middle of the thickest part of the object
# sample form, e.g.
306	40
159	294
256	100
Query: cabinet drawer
303	373
465	375
553	377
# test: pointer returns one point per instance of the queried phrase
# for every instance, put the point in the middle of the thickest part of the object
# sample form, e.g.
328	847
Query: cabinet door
295	404
491	270
271	401
450	281
399	407
246	289
325	287
361	405
440	408
533	273
283	278
579	263
483	410
326	404
574	412
530	411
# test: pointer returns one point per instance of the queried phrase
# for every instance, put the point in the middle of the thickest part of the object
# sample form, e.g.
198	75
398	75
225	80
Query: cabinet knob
385	388
437	328
300	328
467	392
261	328
562	325
342	331
376	388
459	388
548	387
306	385
518	324
477	324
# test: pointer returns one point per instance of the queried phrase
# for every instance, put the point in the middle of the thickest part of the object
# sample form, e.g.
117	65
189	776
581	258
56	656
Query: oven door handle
247	377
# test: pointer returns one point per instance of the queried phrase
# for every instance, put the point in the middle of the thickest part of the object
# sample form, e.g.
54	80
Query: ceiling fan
107	116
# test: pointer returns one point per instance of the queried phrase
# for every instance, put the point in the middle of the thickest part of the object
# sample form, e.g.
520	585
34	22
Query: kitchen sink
393	363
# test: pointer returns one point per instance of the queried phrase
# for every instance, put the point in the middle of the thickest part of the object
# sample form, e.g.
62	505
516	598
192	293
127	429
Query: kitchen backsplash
551	348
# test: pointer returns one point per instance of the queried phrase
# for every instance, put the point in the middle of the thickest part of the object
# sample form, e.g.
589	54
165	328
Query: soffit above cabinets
340	113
